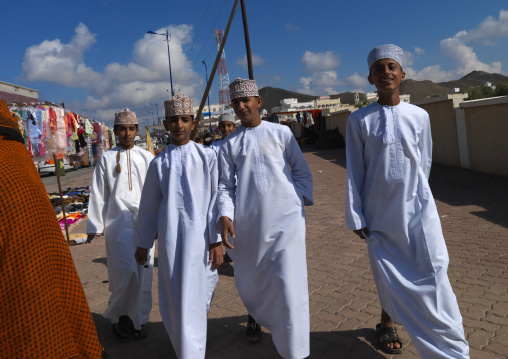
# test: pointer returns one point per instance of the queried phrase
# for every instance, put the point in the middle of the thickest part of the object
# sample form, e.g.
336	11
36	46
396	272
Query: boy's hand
141	256
227	227
91	237
215	255
362	233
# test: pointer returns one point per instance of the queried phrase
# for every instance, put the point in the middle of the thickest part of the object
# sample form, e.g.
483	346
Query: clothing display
389	155
49	130
266	204
178	205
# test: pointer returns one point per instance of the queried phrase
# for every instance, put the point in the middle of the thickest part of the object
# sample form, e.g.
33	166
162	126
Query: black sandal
387	335
253	331
138	334
122	327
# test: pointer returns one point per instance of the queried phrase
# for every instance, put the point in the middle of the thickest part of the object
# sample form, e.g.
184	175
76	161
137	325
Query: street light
168	37
206	76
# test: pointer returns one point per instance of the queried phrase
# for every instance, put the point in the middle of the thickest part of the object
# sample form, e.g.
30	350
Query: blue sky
96	57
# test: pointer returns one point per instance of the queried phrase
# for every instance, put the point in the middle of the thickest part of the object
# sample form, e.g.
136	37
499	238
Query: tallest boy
264	208
390	205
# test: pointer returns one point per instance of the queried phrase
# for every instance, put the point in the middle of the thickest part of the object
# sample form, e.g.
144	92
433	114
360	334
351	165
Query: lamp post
168	37
206	76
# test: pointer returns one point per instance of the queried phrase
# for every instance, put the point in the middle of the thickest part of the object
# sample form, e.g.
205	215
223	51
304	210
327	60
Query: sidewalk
343	302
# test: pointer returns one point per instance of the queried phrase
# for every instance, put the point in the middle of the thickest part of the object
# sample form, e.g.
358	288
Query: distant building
292	104
14	93
372	97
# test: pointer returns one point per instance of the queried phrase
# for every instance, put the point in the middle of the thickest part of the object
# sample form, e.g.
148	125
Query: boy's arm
148	214
300	171
425	146
98	202
226	195
213	209
355	146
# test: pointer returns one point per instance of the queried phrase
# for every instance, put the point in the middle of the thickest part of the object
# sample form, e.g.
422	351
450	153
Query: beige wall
445	149
338	120
487	135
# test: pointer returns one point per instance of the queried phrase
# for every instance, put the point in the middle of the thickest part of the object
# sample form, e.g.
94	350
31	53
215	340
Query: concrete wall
486	132
338	120
441	111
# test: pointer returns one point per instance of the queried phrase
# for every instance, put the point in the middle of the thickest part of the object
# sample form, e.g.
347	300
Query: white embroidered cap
388	51
243	88
227	117
126	117
180	104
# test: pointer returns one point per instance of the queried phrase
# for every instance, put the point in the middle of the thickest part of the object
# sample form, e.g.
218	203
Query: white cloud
320	83
433	73
465	58
419	50
133	85
320	61
458	48
61	63
357	81
256	60
292	27
487	30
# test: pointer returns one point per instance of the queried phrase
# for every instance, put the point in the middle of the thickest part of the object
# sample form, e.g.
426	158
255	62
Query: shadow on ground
226	340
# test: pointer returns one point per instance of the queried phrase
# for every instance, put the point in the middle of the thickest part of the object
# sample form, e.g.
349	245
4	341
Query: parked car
46	167
142	144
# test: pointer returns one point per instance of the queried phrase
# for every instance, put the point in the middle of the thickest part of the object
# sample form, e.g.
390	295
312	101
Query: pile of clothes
75	202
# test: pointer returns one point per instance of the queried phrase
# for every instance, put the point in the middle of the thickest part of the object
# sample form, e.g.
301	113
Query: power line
195	38
185	81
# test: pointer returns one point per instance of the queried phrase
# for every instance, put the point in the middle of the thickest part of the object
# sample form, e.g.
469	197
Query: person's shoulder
144	152
413	108
367	110
110	154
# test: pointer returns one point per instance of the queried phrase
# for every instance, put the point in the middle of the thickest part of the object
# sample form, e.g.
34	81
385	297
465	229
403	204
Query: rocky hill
476	78
272	97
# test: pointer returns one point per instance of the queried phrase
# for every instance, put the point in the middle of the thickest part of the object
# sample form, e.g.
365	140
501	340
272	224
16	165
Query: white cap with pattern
388	51
180	104
126	117
243	88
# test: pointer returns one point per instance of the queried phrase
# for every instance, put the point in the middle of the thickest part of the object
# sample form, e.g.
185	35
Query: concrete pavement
344	307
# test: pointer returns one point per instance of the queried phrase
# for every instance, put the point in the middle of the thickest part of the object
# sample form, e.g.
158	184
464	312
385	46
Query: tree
502	90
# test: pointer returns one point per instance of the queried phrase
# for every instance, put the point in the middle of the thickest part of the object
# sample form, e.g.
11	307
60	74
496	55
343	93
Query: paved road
343	301
81	177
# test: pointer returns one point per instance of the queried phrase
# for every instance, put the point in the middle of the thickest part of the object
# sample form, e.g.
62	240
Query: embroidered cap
9	124
243	88
125	117
180	104
227	117
388	51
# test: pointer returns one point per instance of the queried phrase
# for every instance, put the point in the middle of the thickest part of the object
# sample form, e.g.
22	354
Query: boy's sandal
387	335
253	333
122	327
138	334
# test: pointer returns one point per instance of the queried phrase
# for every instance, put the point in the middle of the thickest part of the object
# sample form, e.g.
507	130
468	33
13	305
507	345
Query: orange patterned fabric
43	308
9	123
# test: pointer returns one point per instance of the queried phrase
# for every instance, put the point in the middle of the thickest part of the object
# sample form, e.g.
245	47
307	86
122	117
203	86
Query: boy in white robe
178	204
114	201
227	124
264	184
390	205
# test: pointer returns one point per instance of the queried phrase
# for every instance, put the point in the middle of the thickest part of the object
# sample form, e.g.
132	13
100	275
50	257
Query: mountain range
417	89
